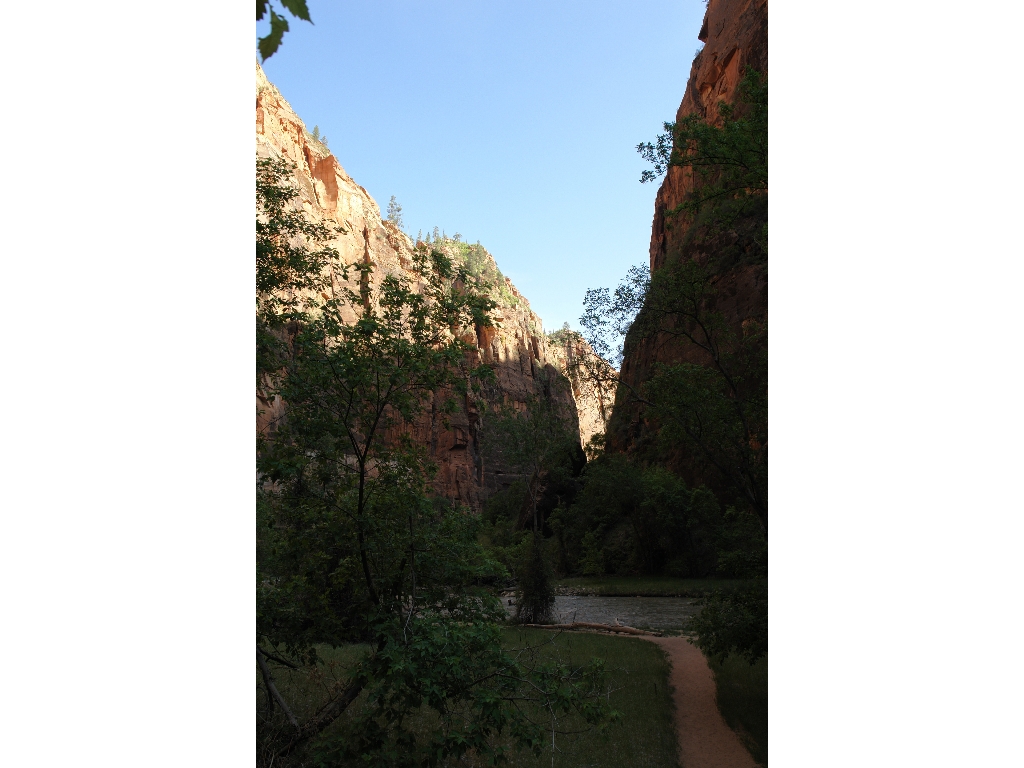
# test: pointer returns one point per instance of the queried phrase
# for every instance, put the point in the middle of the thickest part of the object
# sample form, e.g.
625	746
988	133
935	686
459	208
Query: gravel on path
705	741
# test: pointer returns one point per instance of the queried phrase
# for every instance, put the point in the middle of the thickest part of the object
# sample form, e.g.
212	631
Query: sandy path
705	741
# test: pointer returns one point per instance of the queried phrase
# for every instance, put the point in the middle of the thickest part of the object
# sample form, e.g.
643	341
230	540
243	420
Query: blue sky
511	123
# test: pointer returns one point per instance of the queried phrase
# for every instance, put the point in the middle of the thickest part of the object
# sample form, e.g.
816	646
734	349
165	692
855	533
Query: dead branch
278	659
327	715
269	682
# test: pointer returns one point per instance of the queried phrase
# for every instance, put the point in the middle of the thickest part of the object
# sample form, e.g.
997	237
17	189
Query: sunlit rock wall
516	346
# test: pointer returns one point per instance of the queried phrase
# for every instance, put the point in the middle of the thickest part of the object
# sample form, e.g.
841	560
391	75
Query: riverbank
739	689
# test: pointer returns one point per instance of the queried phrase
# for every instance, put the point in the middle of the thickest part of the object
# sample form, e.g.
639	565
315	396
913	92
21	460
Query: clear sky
511	123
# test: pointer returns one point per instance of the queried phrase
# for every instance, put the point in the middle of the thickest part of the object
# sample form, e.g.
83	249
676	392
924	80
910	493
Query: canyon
527	364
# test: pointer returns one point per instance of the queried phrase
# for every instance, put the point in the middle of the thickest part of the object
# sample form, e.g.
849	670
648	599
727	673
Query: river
641	612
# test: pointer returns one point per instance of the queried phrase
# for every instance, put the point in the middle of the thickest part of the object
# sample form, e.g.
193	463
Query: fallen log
591	625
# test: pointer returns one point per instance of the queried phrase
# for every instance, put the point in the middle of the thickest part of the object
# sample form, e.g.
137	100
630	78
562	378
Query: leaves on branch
352	545
269	44
298	9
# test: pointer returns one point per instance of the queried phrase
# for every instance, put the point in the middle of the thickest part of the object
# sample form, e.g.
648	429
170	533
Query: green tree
727	163
717	407
534	441
395	213
315	133
351	545
294	258
634	518
535	591
714	403
538	442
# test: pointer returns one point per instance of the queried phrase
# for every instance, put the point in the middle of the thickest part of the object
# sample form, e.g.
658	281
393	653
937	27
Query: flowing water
640	612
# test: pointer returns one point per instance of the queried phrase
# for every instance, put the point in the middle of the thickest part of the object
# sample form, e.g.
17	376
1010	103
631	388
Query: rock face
594	400
516	346
735	36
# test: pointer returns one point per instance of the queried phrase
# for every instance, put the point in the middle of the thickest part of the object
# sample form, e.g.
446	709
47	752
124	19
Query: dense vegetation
351	545
742	693
690	499
636	684
616	516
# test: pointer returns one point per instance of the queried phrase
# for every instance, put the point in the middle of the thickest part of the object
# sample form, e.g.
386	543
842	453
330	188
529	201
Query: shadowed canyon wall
735	36
516	347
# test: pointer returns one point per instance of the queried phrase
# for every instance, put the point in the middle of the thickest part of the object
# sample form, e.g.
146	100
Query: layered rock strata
516	346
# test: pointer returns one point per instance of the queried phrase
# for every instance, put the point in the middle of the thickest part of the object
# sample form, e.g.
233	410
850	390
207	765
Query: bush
734	622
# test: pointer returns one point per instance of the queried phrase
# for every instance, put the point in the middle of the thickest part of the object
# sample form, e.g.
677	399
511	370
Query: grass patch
743	701
644	737
642	586
303	691
638	679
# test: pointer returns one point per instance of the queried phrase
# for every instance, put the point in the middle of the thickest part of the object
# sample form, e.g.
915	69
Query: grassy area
644	737
638	679
743	701
302	691
642	586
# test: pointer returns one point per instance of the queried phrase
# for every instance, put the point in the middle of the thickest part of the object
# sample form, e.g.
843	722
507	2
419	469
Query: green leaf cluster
352	545
734	622
728	161
717	405
269	44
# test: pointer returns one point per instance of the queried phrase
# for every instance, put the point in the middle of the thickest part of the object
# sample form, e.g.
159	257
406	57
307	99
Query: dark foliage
734	622
705	415
350	543
535	592
644	520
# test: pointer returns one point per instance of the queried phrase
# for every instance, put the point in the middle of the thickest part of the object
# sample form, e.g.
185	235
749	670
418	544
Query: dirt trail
705	741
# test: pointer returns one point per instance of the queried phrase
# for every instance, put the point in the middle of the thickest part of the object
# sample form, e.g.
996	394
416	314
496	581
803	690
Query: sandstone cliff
735	36
516	346
594	397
